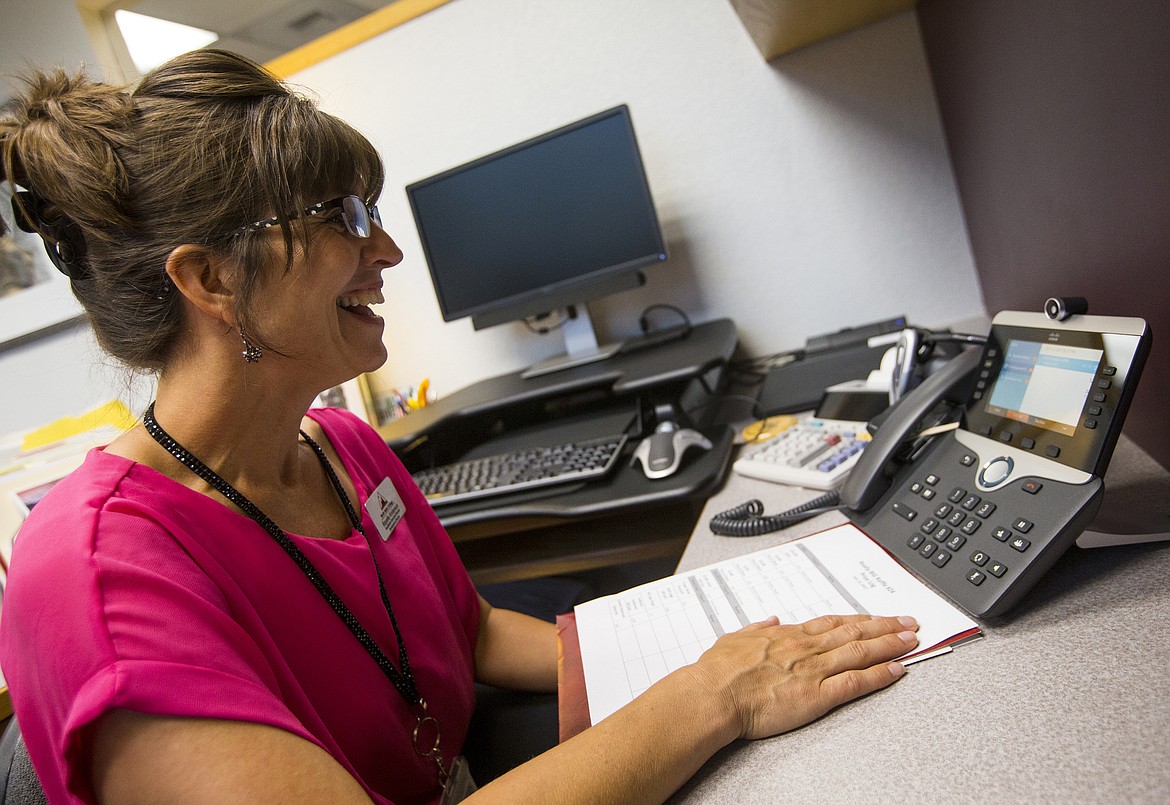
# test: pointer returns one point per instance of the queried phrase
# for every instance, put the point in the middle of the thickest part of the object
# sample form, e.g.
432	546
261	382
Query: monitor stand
580	345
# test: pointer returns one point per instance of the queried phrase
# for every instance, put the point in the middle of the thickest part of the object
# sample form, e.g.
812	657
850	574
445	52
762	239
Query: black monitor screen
519	231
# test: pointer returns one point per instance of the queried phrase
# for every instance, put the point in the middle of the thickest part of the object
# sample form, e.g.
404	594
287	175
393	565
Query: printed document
632	639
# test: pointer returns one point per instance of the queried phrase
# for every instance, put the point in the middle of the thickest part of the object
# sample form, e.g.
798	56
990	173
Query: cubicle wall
797	196
1056	116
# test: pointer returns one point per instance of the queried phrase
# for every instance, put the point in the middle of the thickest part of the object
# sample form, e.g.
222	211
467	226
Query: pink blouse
129	590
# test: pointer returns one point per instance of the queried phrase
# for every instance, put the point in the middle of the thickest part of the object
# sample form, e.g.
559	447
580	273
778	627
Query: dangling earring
251	353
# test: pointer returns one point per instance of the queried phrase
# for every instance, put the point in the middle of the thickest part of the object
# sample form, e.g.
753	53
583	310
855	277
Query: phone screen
1054	391
1045	385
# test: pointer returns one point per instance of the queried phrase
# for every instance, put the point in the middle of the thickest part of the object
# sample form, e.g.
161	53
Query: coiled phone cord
747	520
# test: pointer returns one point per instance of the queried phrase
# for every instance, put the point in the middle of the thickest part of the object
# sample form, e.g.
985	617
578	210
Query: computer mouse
662	451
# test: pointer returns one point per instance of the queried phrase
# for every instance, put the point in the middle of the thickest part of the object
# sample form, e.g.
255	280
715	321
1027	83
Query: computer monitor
547	224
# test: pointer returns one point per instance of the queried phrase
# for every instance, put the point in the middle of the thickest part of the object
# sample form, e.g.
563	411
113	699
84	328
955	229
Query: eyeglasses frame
357	203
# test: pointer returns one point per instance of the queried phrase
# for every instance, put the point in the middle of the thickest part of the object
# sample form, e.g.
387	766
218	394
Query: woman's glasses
359	217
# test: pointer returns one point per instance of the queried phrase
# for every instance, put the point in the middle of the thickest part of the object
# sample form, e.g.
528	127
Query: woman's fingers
856	644
849	685
868	625
773	620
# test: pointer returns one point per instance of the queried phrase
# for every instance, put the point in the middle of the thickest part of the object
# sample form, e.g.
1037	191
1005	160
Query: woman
236	600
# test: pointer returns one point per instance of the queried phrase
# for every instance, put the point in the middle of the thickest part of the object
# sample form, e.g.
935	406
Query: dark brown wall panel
1057	116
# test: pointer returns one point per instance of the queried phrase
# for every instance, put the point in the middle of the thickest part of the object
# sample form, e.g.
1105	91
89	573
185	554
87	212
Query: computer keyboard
520	470
813	453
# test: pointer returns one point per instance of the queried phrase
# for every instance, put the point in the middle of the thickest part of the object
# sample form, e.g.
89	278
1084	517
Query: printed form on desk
632	639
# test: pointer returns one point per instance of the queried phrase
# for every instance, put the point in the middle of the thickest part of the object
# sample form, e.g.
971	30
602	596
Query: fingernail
896	669
908	622
908	637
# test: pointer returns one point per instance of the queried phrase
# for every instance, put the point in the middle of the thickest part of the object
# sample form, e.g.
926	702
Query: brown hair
205	144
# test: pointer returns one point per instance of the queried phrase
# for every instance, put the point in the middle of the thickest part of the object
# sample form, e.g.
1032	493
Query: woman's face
319	313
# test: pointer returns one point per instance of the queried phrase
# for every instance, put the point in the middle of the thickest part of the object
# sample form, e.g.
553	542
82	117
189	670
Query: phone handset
870	477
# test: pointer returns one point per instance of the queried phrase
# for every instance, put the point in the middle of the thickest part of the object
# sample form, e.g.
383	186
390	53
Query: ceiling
261	29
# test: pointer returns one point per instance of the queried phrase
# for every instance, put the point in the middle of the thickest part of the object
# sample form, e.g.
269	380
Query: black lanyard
403	680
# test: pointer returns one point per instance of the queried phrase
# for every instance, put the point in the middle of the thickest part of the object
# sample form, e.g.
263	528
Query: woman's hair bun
61	139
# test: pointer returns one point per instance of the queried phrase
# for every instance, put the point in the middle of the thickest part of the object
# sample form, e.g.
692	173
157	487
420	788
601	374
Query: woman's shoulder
352	436
339	420
64	520
87	488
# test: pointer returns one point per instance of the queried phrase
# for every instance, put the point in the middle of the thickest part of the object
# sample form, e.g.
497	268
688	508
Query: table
1065	699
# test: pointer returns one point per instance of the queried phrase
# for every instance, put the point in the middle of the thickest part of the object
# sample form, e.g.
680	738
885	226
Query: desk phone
815	453
981	512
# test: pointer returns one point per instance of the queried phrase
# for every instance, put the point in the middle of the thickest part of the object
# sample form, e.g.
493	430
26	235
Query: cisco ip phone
979	478
981	511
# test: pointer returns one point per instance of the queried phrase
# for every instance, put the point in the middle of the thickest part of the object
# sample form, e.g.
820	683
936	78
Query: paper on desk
632	639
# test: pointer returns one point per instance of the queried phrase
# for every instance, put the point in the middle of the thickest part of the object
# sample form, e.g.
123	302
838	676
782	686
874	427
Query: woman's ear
207	279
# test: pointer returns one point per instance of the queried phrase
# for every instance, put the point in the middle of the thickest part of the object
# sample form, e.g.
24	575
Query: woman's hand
763	679
774	678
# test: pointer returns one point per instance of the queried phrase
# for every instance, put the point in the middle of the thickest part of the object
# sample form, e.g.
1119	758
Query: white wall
797	196
65	373
41	33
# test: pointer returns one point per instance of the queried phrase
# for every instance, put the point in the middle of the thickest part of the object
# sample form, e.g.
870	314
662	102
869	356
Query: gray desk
1065	700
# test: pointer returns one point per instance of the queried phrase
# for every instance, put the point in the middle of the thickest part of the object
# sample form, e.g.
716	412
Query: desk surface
1067	699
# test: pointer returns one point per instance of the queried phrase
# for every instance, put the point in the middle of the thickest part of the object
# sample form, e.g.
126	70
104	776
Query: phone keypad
980	547
957	517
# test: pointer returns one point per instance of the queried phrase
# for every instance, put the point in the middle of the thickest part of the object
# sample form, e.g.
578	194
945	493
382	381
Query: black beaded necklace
403	680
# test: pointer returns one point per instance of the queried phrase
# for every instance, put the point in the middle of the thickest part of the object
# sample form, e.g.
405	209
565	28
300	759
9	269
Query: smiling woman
262	580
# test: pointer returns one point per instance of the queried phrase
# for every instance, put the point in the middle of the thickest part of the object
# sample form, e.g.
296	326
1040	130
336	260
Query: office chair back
19	784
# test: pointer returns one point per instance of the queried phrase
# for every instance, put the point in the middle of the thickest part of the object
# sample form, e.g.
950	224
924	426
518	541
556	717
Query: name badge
385	508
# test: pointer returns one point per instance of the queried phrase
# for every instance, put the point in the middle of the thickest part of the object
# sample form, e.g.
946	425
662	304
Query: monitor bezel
582	288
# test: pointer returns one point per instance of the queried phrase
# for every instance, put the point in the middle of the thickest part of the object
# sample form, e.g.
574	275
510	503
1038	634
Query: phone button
902	510
996	471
